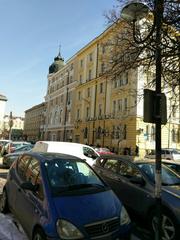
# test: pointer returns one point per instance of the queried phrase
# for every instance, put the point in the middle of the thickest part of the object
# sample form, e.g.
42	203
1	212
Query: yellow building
87	105
34	122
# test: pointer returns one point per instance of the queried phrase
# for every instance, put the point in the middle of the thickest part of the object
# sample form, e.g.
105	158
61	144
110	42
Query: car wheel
39	235
170	229
4	208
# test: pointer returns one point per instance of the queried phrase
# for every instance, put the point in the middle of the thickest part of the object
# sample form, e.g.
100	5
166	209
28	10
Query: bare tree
129	52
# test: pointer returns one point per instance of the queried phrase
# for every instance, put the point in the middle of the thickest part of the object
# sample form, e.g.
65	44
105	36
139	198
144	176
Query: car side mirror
137	180
29	186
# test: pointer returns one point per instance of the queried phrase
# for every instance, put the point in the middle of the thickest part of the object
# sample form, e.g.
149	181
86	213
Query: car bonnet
88	208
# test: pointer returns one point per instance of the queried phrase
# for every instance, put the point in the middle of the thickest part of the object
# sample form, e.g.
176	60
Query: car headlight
124	217
67	230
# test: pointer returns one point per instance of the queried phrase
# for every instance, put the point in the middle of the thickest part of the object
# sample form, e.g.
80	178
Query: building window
102	68
71	68
100	110
174	111
81	63
125	104
114	107
103	49
62	98
60	116
173	135
98	133
125	131
90	74
87	112
90	57
78	114
147	132
125	78
80	78
120	105
101	88
88	92
85	132
79	95
152	133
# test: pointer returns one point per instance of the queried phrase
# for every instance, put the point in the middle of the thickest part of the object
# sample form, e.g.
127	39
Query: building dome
3	98
57	64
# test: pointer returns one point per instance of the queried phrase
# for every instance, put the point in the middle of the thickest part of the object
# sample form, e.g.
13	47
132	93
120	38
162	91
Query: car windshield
69	175
168	176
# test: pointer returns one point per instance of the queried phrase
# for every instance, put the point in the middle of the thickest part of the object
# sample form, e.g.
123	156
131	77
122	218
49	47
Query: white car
82	151
166	153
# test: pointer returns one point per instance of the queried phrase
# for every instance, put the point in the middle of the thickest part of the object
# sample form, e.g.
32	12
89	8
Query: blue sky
31	31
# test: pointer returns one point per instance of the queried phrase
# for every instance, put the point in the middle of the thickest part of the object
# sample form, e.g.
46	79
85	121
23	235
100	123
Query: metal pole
158	14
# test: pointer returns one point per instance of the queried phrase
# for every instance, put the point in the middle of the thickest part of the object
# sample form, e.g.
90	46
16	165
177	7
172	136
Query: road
139	232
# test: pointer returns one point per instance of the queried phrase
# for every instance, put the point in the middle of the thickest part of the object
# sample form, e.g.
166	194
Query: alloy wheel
168	227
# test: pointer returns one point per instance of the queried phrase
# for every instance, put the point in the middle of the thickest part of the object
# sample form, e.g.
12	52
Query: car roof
44	156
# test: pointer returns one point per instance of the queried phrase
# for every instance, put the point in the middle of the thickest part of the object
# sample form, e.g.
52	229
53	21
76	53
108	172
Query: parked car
8	159
5	146
134	185
82	151
57	196
17	144
27	147
166	153
103	150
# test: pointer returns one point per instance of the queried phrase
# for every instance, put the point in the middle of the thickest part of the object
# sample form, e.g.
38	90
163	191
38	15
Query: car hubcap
168	228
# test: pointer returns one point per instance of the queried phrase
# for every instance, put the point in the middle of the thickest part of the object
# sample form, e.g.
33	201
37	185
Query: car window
88	152
168	176
64	173
22	166
111	164
33	175
127	170
174	167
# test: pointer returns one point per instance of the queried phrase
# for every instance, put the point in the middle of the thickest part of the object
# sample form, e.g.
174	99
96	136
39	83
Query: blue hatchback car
57	196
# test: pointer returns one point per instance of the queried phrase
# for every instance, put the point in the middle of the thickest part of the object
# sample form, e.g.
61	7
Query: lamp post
10	125
132	12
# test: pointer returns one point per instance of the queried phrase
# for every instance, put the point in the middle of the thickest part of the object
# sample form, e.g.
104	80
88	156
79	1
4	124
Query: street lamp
10	125
132	12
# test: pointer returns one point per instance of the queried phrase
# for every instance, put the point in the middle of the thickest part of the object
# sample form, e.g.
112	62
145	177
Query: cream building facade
34	123
84	104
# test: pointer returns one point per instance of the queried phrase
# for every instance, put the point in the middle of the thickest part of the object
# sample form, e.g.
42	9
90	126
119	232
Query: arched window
98	133
85	132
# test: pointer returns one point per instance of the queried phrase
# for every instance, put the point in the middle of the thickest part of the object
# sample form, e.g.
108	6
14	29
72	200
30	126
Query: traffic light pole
158	14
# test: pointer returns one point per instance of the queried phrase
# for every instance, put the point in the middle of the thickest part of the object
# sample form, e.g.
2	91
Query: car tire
39	234
4	208
170	230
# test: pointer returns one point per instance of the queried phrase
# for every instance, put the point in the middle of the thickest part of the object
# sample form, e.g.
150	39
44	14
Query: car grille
102	228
